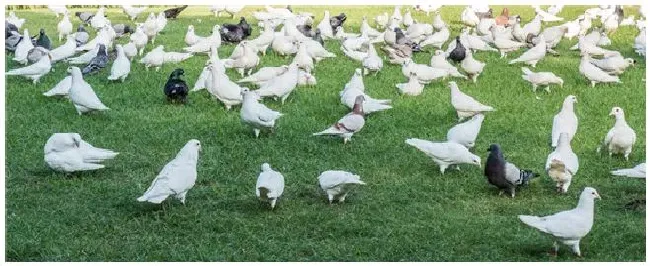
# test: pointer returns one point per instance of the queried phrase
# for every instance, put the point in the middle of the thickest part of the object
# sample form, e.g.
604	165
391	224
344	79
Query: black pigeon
9	28
82	36
235	33
337	21
504	175
122	29
176	88
619	13
42	40
317	37
305	30
289	8
98	62
458	54
172	13
85	16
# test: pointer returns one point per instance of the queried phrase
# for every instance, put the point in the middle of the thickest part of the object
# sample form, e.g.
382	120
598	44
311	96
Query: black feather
176	88
458	54
172	13
98	62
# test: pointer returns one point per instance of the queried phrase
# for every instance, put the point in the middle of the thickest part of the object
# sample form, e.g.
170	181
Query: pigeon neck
586	204
620	120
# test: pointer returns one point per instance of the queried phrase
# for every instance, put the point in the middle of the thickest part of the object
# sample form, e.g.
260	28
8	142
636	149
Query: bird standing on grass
176	88
504	175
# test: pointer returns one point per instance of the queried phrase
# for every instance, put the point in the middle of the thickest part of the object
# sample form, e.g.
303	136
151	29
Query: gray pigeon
12	41
36	53
81	36
122	29
85	16
98	62
505	175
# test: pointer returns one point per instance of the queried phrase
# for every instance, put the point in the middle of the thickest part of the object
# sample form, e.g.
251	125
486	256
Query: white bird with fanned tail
255	114
121	65
568	227
270	185
67	152
348	125
34	71
465	105
445	154
562	164
621	138
82	95
338	184
177	177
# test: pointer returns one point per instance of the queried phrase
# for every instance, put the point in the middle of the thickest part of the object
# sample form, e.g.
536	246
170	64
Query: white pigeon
121	65
133	12
306	79
428	8
465	105
64	27
161	22
437	39
204	45
532	56
445	154
439	60
23	47
592	49
425	74
130	50
264	40
104	35
13	19
175	57
469	17
98	21
356	55
58	9
264	74
438	23
338	184
350	93
610	24
372	63
565	121
484	25
190	37
348	125
621	138
284	45
629	21
67	152
84	58
82	95
407	20
65	50
34	71
270	185
613	64
226	91
568	227
367	30
637	172
139	38
418	31
302	59
382	20
545	16
282	85
471	66
639	43
541	78
316	51
562	164
325	27
465	133
595	74
554	9
413	87
255	114
505	46
154	58
60	89
573	28
177	177
203	81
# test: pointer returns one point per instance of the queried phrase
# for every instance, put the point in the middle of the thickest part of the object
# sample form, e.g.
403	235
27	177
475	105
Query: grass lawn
407	212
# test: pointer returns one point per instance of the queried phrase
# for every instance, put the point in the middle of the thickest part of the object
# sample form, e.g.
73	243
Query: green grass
407	212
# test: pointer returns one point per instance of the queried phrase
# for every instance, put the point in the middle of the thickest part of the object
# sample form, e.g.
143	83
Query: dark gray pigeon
12	41
9	28
81	36
337	21
98	62
504	175
458	54
122	29
305	30
43	40
36	54
317	37
400	38
85	16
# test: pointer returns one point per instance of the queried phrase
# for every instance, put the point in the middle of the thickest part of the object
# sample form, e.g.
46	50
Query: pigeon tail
533	221
526	176
155	199
329	131
264	192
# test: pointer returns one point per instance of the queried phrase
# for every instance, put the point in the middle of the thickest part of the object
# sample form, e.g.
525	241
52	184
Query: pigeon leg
330	197
257	132
547	89
457	167
627	153
474	77
556	247
534	87
576	248
157	68
342	198
593	84
512	192
503	54
442	168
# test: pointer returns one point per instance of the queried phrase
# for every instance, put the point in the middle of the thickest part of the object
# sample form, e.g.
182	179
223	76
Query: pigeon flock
287	33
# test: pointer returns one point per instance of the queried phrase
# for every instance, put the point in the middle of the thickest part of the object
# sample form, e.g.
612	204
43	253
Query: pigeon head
415	47
177	73
242	20
266	167
474	159
42	32
457	40
590	193
397	30
617	112
494	148
630	61
102	49
190	28
358	105
570	100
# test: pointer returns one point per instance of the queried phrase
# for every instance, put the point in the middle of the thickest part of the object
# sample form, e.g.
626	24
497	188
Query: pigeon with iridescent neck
349	124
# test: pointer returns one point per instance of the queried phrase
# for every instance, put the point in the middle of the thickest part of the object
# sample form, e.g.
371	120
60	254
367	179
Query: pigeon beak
611	113
598	196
